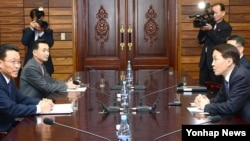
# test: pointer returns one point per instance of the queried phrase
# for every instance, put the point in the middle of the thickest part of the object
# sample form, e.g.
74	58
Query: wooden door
111	32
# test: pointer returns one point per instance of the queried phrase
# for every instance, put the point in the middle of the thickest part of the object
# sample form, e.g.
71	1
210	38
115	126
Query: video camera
203	19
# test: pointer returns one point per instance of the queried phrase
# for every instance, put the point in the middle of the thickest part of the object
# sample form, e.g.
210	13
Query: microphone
76	82
147	108
213	119
178	85
110	109
49	121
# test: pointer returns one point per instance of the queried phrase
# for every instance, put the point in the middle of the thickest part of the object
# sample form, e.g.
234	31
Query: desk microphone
51	122
110	109
213	119
147	108
76	82
178	85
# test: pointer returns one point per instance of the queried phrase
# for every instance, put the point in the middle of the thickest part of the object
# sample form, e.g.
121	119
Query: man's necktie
215	26
226	87
41	66
9	87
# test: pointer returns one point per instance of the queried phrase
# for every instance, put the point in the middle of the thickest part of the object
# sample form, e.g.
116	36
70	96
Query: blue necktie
9	87
226	87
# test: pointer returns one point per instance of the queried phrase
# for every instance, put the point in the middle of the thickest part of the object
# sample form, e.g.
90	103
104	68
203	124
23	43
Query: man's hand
201	101
33	24
206	27
46	105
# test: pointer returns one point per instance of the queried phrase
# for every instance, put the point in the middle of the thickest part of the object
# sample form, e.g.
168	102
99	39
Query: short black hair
239	40
37	42
222	6
5	47
228	51
36	13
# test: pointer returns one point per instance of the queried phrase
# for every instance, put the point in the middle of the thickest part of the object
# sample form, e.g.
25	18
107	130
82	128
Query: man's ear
229	61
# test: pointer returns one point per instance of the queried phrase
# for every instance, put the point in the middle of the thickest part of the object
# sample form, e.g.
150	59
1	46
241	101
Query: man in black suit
38	30
239	43
233	97
14	104
210	36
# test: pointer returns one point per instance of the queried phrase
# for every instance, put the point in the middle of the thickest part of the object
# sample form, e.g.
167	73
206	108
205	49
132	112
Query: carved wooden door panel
110	32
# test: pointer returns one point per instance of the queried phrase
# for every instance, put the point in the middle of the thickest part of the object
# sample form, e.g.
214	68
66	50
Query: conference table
88	116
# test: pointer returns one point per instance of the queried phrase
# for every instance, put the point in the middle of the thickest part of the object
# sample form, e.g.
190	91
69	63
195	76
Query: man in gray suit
35	80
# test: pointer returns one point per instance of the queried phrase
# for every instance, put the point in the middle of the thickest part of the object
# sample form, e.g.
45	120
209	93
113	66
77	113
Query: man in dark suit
239	43
210	36
35	80
38	30
233	97
14	104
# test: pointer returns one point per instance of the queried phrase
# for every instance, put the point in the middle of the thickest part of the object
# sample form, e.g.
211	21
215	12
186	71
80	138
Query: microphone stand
178	85
81	131
170	133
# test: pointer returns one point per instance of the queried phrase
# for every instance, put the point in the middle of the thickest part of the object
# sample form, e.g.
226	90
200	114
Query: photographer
212	35
38	30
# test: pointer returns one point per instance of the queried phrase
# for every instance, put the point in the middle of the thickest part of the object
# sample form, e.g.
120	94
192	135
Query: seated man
14	104
233	97
239	43
34	80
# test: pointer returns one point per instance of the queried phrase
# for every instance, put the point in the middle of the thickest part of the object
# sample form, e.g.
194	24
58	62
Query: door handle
130	44
122	44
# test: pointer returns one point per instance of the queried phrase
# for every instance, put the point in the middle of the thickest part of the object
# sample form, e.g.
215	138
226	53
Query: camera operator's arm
48	36
203	33
29	34
220	34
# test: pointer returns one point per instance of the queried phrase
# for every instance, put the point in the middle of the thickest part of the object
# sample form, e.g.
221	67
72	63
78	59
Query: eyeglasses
14	62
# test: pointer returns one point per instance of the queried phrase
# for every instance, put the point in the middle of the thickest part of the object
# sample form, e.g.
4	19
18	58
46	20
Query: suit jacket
238	99
28	39
210	39
34	83
244	61
13	105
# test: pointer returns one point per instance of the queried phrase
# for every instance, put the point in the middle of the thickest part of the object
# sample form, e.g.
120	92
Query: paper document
61	109
82	89
194	110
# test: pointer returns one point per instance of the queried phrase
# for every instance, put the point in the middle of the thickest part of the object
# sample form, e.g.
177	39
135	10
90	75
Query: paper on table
60	109
82	89
194	110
